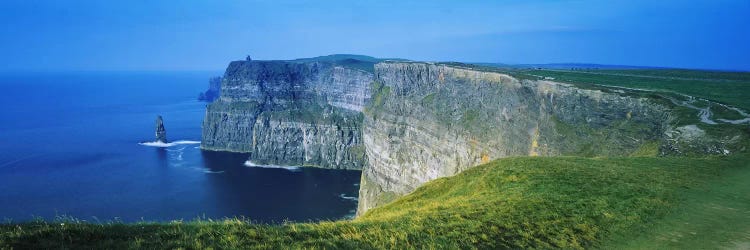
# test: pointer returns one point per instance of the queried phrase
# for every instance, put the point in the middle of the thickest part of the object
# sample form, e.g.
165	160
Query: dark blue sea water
69	147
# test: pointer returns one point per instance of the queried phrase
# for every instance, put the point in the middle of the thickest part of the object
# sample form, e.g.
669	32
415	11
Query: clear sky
205	35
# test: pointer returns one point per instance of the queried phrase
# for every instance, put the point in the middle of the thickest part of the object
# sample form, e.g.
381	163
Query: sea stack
161	133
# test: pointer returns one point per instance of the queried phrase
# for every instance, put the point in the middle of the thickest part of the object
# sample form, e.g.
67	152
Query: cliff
213	92
428	121
290	113
411	122
161	132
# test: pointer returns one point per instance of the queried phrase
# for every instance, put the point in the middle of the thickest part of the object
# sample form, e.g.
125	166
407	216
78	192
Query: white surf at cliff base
168	144
351	198
290	168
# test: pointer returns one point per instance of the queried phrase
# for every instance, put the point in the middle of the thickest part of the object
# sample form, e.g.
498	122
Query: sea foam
167	144
290	168
351	198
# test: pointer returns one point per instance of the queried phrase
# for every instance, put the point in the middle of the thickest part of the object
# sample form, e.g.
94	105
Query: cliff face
290	113
213	92
161	132
428	121
412	122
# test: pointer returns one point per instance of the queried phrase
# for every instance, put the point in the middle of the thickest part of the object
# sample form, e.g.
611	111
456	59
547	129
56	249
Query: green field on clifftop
731	88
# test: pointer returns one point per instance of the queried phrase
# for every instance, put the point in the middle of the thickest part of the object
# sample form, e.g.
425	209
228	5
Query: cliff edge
290	113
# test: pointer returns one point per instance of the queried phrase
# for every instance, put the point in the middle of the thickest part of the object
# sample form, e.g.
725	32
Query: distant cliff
290	113
428	121
213	92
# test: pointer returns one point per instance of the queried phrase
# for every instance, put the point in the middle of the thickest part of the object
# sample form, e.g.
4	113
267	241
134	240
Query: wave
212	172
160	144
177	149
290	168
351	198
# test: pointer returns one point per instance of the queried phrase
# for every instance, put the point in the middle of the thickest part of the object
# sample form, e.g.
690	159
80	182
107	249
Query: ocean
70	146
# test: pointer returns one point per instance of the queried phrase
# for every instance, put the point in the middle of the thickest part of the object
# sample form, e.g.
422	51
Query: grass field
731	88
523	202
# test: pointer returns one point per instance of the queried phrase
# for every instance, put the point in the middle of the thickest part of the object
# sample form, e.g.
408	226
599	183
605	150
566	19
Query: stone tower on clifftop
161	133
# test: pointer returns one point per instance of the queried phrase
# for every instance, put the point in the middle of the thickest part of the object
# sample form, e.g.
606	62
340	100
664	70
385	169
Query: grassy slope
569	202
715	215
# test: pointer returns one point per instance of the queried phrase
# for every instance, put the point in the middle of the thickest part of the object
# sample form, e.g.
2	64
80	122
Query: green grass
379	93
716	215
360	62
725	87
647	149
685	74
520	202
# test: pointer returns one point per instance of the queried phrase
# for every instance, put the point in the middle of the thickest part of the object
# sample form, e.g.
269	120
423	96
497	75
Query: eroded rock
290	113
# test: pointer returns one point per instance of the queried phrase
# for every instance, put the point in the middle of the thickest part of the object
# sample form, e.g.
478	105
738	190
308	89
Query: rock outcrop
290	113
213	92
428	121
161	132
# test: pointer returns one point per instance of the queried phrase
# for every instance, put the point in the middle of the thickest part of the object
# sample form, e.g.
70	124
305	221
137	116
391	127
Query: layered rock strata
290	113
413	122
428	121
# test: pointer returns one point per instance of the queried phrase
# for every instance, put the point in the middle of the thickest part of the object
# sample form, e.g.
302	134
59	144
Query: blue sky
206	35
